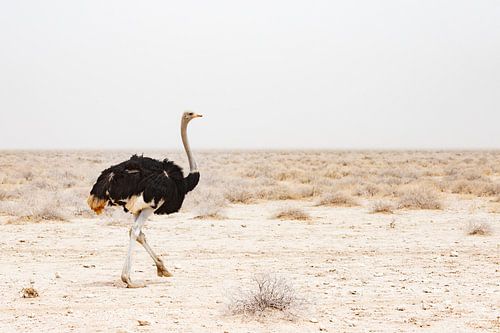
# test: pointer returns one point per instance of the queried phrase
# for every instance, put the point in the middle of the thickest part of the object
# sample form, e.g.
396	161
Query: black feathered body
142	182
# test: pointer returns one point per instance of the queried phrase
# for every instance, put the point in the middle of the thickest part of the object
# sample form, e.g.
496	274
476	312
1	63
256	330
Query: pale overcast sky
266	74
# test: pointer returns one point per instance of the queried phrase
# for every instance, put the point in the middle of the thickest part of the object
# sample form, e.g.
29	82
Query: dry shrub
337	199
36	208
52	212
292	214
479	188
269	293
332	173
472	175
305	191
76	200
239	196
210	206
4	195
285	192
419	198
275	193
287	175
368	190
384	207
479	228
39	214
10	208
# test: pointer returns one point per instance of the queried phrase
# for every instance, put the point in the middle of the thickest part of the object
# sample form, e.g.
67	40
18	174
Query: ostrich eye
190	113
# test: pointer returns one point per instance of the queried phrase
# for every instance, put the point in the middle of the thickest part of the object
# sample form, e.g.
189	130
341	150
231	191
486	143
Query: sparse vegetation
337	199
239	196
479	228
292	214
325	255
4	195
209	205
419	198
269	292
384	207
412	180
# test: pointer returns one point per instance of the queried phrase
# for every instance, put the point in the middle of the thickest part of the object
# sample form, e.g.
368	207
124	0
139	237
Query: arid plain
359	241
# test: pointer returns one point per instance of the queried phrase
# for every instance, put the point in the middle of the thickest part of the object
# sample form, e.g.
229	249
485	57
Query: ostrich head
189	115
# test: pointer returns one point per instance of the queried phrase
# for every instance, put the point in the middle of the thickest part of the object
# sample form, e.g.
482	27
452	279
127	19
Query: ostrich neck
185	142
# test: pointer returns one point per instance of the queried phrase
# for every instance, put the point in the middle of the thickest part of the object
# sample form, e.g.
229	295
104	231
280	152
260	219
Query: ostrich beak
197	115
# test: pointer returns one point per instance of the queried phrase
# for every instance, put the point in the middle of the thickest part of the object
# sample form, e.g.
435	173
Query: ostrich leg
135	231
160	267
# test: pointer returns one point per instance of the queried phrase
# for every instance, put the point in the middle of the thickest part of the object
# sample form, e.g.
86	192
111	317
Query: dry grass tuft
419	198
44	213
292	214
209	205
479	228
49	212
271	293
4	195
239	196
337	199
29	292
383	207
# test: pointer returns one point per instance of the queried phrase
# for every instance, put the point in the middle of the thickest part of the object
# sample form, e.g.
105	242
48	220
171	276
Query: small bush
419	198
210	206
269	293
36	208
4	195
479	228
479	188
382	207
368	190
45	213
292	214
49	212
284	192
239	196
9	208
337	199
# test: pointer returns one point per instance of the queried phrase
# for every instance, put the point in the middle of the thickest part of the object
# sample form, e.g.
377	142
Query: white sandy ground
355	273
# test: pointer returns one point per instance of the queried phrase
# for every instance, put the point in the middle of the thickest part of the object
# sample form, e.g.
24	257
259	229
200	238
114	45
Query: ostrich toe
162	271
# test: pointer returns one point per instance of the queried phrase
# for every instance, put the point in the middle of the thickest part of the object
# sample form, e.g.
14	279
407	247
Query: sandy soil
354	272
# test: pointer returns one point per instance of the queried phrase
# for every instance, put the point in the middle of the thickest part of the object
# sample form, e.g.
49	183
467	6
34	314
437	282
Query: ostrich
143	186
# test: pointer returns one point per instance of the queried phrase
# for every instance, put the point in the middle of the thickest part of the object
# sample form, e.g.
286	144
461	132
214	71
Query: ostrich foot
131	284
136	284
162	271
